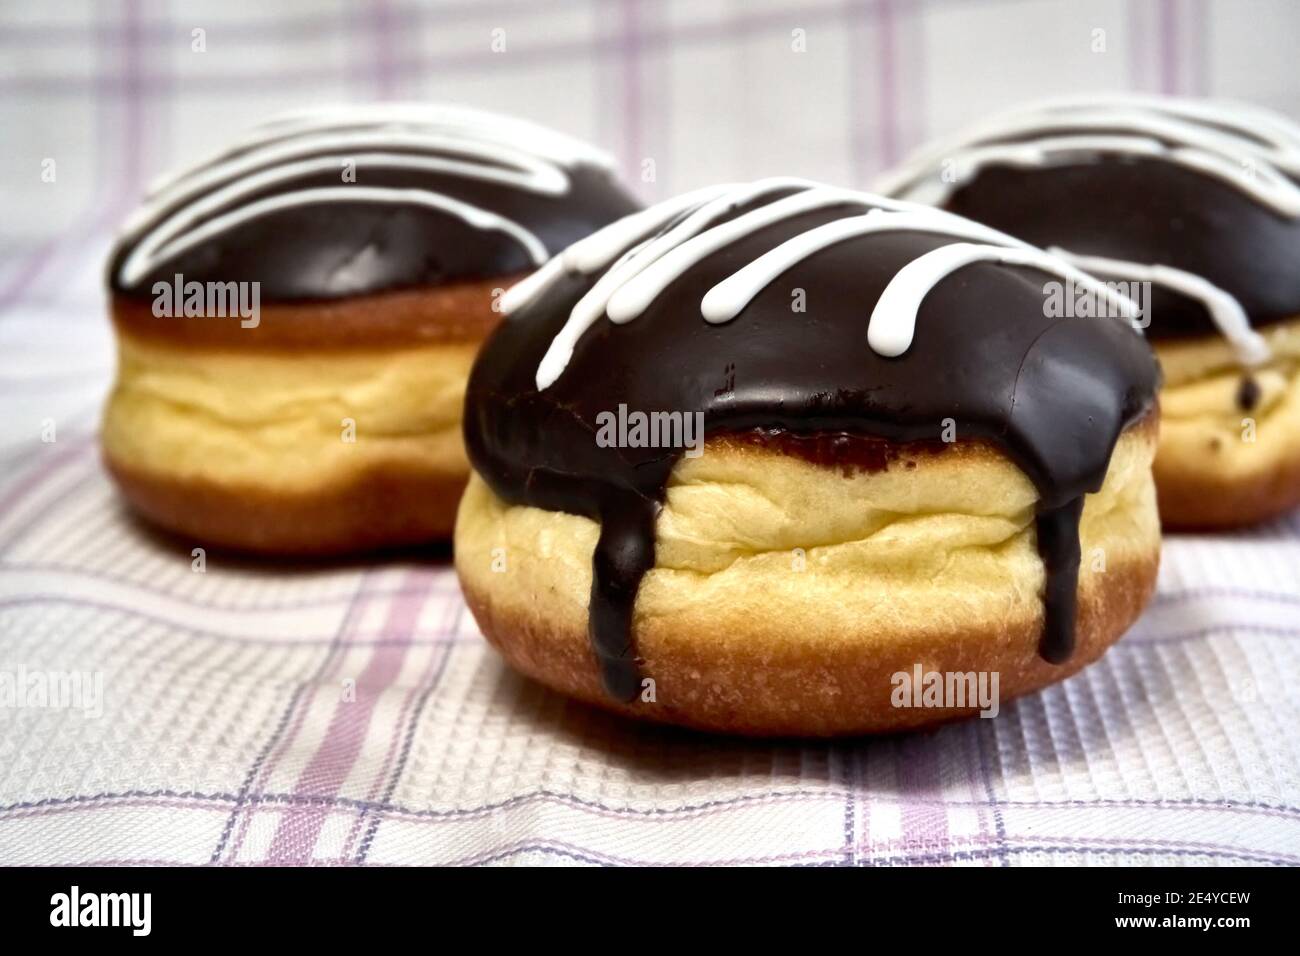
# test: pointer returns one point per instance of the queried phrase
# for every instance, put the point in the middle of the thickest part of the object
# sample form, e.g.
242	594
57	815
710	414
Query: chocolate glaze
331	250
1054	394
1148	210
488	196
1248	393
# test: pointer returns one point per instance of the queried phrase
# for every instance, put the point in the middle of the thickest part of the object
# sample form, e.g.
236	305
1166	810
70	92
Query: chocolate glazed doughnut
1199	200
296	318
834	343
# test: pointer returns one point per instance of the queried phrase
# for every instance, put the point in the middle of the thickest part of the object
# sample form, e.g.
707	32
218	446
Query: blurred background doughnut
296	317
1195	205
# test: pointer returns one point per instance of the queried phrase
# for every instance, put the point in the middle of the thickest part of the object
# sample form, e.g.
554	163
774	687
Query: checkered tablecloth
255	713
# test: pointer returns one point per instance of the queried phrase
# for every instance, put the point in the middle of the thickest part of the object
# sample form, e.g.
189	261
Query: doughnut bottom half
1223	462
298	452
787	596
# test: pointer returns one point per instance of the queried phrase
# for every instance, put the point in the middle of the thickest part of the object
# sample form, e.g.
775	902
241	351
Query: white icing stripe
893	321
532	286
1225	311
1246	120
1254	150
647	269
510	134
1209	137
966	163
523	135
144	257
594	252
602	247
229	196
301	157
625	293
646	275
728	298
453	141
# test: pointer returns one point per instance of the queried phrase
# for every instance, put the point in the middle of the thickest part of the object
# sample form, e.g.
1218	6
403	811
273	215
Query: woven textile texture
351	713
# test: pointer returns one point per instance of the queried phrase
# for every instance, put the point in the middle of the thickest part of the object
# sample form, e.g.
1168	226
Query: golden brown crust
1203	499
1225	463
378	508
456	313
229	436
787	594
787	689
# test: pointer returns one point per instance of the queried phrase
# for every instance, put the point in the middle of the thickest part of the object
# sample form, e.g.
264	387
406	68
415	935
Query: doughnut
296	318
1195	204
752	459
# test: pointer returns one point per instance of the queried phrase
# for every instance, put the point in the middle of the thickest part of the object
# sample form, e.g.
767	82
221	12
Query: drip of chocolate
1248	393
1053	393
1057	531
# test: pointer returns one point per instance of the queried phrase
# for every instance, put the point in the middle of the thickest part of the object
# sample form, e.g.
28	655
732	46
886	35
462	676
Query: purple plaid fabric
352	714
